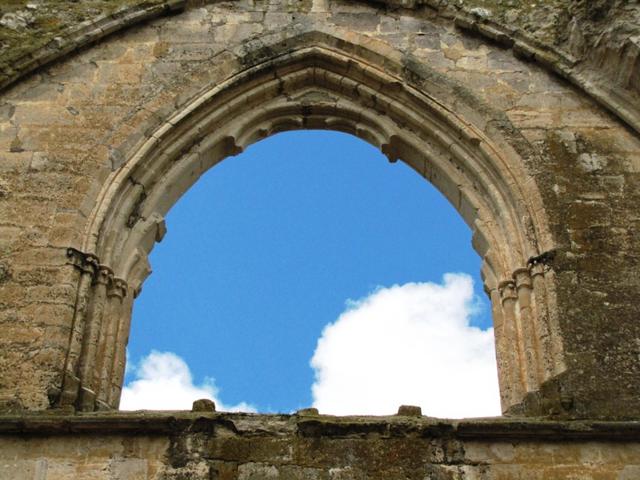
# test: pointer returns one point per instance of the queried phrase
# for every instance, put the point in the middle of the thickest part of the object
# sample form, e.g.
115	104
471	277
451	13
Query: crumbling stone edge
554	60
162	423
612	97
84	34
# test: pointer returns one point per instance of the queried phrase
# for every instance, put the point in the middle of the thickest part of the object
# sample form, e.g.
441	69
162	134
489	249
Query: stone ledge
268	425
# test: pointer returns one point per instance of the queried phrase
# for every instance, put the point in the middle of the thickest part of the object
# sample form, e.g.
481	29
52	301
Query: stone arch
470	153
531	147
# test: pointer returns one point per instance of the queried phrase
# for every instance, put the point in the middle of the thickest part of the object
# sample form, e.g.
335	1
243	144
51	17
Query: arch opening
261	256
319	87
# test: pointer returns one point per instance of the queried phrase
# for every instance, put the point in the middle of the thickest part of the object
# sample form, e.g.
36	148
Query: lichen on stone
28	25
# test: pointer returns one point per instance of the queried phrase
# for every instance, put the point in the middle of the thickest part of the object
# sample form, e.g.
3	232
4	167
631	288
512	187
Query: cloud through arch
405	344
408	344
163	381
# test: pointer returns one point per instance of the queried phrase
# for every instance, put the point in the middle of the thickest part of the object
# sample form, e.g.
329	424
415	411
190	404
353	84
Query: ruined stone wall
568	151
595	44
174	446
526	119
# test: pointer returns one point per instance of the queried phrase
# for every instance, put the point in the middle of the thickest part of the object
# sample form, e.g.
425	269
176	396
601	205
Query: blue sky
267	248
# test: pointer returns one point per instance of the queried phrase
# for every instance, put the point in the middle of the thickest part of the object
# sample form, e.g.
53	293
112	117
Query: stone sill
150	423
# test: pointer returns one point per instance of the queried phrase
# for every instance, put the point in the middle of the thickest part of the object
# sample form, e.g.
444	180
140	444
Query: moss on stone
552	21
47	19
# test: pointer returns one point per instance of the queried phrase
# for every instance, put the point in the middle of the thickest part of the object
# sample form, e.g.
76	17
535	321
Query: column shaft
88	265
90	341
119	359
104	368
514	351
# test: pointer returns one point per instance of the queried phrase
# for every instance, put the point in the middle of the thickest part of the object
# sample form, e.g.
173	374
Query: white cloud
410	344
162	381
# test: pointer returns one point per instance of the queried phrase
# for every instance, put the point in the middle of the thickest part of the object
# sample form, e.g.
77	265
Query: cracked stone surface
175	445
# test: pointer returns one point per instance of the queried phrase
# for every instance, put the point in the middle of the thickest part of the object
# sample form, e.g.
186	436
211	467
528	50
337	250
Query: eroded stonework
172	446
533	136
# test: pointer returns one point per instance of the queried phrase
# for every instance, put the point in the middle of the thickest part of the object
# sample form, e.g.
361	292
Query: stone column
551	343
88	265
513	349
104	367
528	331
119	359
87	399
503	345
541	311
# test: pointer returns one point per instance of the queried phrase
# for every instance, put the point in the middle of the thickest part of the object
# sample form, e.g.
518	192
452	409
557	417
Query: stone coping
154	423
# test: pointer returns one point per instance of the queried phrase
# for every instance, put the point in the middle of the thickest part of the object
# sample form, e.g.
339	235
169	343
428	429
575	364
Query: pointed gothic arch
471	153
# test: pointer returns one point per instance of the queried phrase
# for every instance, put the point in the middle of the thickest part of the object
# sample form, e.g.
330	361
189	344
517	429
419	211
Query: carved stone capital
522	278
507	289
85	262
117	288
104	275
537	269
